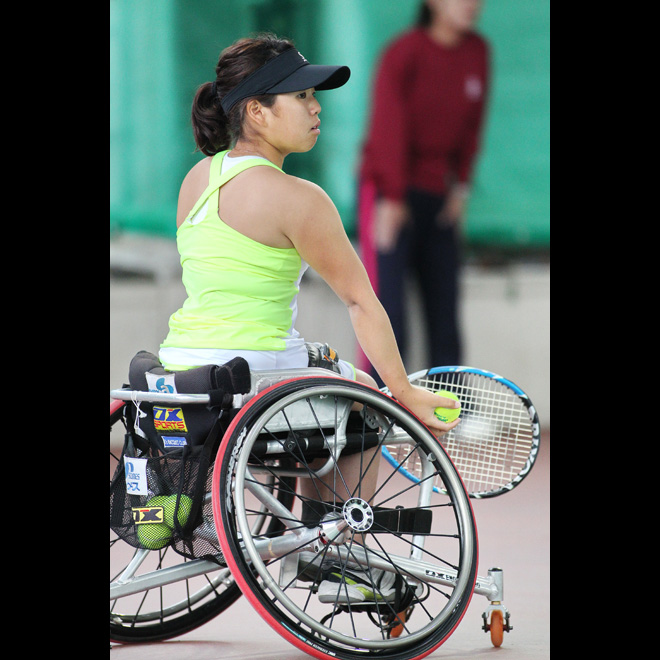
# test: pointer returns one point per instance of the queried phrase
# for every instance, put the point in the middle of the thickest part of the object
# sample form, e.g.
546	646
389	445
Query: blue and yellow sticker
169	419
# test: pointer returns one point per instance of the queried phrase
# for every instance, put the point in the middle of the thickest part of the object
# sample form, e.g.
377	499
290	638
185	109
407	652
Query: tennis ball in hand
185	507
447	415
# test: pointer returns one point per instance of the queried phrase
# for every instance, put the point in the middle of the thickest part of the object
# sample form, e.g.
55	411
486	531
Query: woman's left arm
316	230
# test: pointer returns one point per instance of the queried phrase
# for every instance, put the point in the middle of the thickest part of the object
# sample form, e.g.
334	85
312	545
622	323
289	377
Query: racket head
497	441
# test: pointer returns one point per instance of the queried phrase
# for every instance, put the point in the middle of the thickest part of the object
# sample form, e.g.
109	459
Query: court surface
514	534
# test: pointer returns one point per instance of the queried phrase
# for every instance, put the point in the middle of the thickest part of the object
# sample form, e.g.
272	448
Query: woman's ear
254	111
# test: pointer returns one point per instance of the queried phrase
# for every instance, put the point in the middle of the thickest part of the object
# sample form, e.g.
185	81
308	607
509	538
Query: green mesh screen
161	50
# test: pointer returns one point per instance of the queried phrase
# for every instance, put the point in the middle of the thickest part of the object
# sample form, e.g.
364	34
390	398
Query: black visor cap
288	72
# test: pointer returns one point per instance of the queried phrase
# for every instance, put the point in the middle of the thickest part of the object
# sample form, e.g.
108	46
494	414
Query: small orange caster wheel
498	625
496	628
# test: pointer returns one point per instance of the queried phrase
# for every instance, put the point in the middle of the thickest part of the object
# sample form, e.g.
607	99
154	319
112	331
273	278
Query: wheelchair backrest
172	409
172	426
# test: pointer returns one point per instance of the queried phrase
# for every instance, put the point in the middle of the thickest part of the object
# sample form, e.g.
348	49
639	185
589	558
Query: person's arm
474	121
387	143
385	157
454	208
315	229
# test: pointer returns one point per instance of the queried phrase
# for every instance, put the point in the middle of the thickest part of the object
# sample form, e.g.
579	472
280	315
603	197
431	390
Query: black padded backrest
170	426
146	373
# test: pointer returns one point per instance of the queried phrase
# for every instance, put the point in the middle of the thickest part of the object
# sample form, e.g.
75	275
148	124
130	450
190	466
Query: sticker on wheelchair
135	472
173	441
161	383
169	419
143	515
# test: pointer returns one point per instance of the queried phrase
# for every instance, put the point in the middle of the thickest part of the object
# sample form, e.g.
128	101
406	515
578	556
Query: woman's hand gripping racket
495	444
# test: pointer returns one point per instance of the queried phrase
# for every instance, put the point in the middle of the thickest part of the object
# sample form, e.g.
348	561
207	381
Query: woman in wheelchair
247	231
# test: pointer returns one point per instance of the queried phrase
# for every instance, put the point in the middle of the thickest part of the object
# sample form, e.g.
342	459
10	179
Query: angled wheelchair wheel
162	609
370	565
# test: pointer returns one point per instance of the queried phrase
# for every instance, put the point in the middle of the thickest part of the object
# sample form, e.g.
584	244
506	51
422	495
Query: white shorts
294	357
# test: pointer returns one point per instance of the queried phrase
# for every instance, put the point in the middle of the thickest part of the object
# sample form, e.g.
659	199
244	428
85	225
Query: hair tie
214	88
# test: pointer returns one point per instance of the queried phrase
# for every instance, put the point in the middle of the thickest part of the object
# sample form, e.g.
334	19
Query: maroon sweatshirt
427	112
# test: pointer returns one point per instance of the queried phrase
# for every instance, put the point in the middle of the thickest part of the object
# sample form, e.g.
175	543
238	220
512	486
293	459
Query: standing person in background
427	113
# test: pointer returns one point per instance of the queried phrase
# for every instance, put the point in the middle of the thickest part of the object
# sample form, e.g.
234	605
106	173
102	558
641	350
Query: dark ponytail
213	130
209	122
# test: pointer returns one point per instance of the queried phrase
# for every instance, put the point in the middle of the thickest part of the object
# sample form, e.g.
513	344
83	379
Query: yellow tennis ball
154	536
157	500
447	414
185	507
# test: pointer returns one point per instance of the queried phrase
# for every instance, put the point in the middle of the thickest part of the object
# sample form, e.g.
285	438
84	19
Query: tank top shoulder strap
218	179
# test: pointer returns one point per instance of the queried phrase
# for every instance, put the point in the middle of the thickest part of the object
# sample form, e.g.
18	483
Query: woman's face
293	121
461	14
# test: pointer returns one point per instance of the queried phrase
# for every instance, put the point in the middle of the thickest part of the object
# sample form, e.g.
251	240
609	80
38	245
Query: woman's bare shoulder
194	184
283	193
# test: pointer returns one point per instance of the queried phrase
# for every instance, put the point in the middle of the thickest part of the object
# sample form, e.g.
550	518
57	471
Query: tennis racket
495	445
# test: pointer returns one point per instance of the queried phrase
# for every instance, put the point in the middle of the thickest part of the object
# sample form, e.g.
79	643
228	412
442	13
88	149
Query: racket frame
534	421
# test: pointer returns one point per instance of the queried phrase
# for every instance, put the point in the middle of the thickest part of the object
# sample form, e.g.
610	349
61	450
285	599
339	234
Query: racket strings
491	445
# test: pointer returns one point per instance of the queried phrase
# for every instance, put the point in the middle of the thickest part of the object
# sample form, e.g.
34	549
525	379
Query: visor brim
318	76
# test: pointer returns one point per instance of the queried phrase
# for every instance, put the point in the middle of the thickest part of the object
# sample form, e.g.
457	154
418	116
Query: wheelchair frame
301	542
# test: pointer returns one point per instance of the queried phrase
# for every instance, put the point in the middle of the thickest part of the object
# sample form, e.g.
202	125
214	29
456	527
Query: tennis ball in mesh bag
185	506
158	500
447	415
154	536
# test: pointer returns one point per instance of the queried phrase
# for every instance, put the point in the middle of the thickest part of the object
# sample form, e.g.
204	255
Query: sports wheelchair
227	482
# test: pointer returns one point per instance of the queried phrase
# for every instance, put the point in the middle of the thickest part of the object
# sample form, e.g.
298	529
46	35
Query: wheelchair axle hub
332	530
358	514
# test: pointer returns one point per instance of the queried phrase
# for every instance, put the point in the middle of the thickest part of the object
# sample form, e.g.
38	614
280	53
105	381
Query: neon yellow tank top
241	294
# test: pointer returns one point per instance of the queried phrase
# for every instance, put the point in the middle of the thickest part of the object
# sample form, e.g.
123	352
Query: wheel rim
297	612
